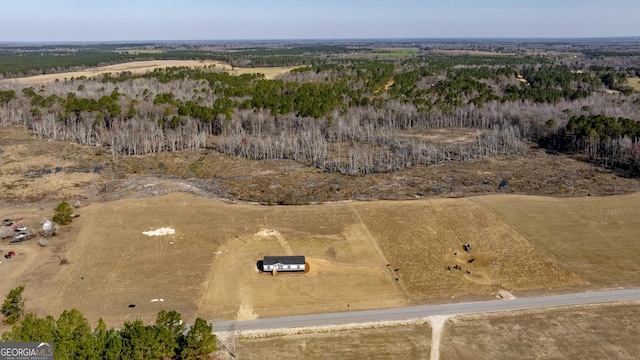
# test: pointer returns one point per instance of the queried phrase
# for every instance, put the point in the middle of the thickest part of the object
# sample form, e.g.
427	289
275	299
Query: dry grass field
374	342
356	251
596	238
421	239
141	67
605	331
634	83
581	332
208	267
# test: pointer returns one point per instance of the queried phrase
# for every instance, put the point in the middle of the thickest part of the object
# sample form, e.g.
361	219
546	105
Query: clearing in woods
141	67
634	83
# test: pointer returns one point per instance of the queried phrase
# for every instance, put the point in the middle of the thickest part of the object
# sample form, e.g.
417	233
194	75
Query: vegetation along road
417	312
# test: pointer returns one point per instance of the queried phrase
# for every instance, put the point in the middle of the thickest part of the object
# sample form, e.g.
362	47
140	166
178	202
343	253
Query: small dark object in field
132	305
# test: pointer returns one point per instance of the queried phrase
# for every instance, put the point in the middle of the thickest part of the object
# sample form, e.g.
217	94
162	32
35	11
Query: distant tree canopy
600	127
347	109
7	95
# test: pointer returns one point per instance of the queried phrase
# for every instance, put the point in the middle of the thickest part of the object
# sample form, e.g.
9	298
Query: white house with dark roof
283	263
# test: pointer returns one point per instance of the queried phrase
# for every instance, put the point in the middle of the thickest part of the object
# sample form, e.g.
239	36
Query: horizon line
374	39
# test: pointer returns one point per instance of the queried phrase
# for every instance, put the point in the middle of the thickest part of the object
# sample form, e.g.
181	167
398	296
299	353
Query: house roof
285	260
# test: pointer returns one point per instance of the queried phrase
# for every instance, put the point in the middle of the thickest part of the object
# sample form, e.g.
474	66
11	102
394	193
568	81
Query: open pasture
407	341
578	332
141	67
596	238
207	267
423	241
362	255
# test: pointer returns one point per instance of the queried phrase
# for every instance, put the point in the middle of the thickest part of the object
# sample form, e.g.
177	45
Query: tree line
340	114
74	338
611	141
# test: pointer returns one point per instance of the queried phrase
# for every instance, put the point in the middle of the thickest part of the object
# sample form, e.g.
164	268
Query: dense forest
346	109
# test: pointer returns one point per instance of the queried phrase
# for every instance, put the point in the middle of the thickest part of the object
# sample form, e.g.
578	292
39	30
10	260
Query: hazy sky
114	20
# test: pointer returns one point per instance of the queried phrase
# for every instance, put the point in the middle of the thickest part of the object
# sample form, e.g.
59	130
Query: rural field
596	238
579	332
634	83
384	341
362	255
141	67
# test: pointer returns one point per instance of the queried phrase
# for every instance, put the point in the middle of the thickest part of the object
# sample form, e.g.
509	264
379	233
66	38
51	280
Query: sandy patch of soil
160	232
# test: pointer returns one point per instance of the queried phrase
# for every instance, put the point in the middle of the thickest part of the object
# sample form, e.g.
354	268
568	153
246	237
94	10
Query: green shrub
63	213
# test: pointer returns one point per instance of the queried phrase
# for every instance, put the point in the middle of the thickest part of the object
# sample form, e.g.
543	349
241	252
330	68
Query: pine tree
13	306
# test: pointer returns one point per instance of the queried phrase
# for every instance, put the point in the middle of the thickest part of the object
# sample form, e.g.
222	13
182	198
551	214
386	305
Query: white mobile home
283	263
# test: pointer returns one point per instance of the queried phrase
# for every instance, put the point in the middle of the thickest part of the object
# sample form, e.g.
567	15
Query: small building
283	263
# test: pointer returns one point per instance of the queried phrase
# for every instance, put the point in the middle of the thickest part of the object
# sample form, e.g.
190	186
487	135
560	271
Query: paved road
417	312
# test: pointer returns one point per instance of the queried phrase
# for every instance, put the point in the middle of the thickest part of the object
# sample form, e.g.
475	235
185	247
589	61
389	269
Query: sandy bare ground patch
141	67
437	323
160	232
579	332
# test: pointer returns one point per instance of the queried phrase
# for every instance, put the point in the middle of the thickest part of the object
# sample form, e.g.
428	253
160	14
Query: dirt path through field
366	234
437	323
283	242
